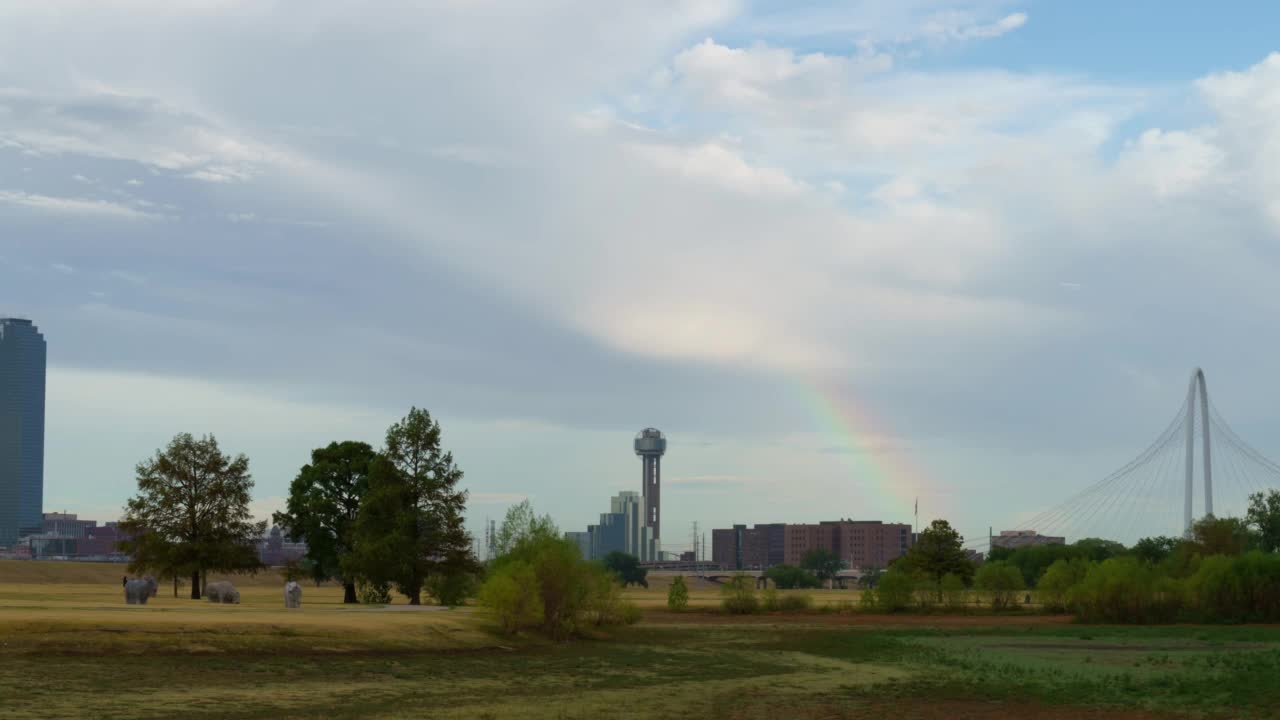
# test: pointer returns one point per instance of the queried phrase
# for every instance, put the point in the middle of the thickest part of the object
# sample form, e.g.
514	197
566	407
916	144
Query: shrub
678	594
953	591
1124	590
926	591
1001	581
453	589
788	577
570	592
769	600
606	602
373	593
1236	589
797	602
511	595
1058	580
739	596
894	591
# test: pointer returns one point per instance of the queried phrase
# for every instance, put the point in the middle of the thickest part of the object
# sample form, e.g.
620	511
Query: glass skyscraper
22	373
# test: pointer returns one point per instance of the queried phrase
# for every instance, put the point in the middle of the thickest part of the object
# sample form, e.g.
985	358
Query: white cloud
1172	163
719	166
72	206
1247	106
962	26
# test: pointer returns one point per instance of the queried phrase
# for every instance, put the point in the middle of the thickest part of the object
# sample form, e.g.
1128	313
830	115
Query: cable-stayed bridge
1198	466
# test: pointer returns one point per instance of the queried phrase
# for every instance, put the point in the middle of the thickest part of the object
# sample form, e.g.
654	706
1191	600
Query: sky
844	254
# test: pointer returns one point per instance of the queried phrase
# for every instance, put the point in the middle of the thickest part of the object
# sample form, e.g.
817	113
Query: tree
521	522
1001	581
1221	536
938	551
1154	550
1058	580
678	594
823	563
1263	517
1098	549
627	568
410	523
191	513
324	502
790	577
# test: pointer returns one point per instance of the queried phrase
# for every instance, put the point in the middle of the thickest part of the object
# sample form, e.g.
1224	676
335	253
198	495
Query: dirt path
909	709
853	620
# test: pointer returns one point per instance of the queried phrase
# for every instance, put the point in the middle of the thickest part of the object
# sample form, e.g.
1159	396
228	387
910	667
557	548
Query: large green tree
1221	536
1264	517
938	551
1154	550
823	563
627	568
191	513
324	502
410	524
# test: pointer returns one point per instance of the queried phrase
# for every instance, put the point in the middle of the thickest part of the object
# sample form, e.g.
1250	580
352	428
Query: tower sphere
651	441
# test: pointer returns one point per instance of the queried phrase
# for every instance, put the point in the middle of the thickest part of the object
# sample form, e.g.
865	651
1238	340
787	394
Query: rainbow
889	480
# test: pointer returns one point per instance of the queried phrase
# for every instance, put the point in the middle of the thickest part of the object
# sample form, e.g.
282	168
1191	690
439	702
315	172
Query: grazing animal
137	592
292	595
222	592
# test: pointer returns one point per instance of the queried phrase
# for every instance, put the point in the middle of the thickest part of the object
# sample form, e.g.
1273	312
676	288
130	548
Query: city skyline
846	254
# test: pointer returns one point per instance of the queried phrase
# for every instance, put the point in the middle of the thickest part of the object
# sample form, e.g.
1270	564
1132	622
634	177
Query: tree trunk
175	586
415	598
195	584
349	593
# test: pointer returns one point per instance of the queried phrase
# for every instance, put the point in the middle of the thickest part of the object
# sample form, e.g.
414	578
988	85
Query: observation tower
651	445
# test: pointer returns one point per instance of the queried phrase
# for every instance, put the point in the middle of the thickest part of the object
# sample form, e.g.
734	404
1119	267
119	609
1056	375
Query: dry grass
80	608
70	647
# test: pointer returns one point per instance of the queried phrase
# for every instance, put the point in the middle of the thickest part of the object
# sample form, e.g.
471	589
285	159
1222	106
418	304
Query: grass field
69	647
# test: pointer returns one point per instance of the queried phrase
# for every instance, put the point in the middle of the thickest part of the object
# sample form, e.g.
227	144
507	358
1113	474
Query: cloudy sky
844	253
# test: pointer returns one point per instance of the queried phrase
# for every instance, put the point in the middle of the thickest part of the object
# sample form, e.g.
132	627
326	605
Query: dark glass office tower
22	372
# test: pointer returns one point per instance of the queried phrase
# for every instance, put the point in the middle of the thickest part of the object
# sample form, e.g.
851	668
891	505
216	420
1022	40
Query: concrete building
858	544
639	537
279	549
66	524
1013	539
608	536
583	541
100	543
22	393
651	445
743	548
622	529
